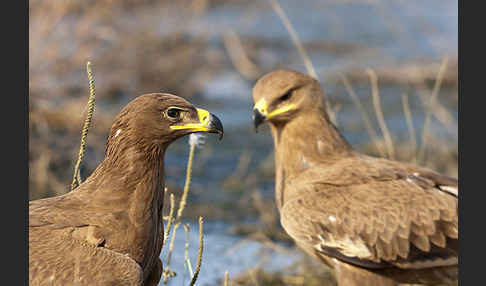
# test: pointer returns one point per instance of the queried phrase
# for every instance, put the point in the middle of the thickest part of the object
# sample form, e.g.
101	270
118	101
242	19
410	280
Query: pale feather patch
320	146
332	218
117	133
347	246
449	189
306	163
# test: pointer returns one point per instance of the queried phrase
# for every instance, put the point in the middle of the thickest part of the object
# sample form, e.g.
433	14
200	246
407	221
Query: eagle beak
215	126
259	113
258	118
207	123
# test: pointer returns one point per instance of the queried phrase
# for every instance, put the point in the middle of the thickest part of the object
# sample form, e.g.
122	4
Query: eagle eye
286	96
173	113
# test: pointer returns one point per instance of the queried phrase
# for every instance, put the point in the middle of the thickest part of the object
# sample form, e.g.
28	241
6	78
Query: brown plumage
108	230
376	221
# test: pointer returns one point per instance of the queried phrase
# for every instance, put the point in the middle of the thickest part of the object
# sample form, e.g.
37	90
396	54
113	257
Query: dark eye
173	113
286	96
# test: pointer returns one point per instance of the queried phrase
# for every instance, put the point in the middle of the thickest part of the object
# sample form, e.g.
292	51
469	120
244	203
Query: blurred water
222	252
397	30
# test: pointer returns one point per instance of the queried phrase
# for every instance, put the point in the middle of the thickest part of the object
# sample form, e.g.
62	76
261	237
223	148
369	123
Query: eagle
374	221
108	230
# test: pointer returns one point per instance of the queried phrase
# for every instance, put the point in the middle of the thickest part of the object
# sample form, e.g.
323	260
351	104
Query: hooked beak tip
215	125
258	119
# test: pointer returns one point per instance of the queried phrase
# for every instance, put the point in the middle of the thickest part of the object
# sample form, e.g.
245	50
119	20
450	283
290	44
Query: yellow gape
262	107
201	126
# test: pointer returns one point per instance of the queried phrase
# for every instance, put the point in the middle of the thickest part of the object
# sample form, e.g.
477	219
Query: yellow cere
261	106
201	126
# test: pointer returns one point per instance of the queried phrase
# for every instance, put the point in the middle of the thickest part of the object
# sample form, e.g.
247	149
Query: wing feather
384	221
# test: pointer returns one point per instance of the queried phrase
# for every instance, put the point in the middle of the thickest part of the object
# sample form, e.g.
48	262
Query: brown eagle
375	221
108	230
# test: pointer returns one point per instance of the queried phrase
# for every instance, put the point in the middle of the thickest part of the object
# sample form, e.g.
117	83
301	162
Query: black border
471	55
460	141
15	148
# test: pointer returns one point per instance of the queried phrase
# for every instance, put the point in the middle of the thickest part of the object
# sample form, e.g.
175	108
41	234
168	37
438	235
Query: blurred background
212	52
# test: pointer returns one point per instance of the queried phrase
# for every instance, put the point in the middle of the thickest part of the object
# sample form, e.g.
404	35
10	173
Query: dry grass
176	221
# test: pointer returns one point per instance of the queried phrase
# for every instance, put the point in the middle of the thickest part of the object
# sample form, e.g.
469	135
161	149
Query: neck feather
129	186
307	140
